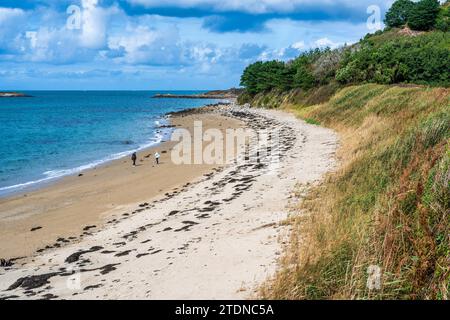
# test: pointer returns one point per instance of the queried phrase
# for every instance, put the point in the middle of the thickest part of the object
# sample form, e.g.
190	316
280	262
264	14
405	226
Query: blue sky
171	44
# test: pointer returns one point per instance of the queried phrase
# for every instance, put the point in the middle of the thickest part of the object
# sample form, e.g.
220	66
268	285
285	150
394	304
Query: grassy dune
386	205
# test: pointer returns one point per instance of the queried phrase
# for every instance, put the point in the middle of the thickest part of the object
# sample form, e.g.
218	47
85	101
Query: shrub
264	76
325	67
443	19
423	15
397	15
421	59
386	205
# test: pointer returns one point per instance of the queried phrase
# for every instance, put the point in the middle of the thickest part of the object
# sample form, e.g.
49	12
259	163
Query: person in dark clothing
133	158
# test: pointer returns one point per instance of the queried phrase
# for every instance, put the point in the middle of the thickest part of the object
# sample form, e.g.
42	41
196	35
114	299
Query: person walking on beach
157	156
133	158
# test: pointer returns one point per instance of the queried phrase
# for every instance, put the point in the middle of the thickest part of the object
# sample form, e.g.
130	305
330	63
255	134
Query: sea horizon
226	155
109	90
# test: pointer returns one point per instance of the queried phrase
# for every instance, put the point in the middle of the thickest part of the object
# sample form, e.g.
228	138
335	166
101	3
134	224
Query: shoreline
46	182
217	236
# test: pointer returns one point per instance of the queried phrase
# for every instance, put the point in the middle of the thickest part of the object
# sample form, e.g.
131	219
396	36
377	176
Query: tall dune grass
386	205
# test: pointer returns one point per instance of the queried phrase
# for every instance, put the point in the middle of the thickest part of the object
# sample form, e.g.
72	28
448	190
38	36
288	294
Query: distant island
215	94
13	95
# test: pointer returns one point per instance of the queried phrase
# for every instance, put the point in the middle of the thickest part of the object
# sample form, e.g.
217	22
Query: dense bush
305	72
385	57
325	66
423	15
387	204
422	59
420	15
397	15
303	77
443	19
264	76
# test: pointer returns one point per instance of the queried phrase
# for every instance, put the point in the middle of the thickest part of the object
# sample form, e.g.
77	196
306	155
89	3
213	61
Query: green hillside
389	57
398	54
387	205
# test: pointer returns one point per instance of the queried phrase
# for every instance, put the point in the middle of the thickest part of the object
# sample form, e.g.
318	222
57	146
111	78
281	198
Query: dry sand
215	237
68	206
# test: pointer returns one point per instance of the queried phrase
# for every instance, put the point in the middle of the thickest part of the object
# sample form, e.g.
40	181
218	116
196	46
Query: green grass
387	205
312	121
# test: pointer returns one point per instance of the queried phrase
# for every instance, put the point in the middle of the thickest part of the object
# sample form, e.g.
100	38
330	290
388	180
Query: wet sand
74	203
215	237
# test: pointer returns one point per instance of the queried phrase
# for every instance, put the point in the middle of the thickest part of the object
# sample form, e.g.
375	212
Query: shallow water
56	133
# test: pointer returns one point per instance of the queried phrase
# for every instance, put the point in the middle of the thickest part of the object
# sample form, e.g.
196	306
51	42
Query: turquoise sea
56	133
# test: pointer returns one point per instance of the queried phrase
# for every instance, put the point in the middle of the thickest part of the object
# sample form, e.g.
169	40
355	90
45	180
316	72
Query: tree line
385	57
421	16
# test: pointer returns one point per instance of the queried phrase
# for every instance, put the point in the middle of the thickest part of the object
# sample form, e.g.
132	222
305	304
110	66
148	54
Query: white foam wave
55	174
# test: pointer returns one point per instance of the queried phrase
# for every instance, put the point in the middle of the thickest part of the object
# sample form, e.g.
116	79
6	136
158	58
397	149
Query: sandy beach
167	231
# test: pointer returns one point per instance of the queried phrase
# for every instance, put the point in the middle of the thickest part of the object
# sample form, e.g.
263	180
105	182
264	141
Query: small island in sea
326	177
13	95
215	94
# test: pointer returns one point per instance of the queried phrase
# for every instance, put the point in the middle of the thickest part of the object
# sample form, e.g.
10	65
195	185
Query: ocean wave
55	174
23	185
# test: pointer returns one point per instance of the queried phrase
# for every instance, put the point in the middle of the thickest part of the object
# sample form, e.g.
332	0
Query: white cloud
298	45
143	45
295	49
94	24
10	21
8	14
260	6
204	53
41	35
325	42
54	46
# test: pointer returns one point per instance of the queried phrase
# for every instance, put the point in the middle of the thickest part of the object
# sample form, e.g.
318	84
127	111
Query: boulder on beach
5	263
